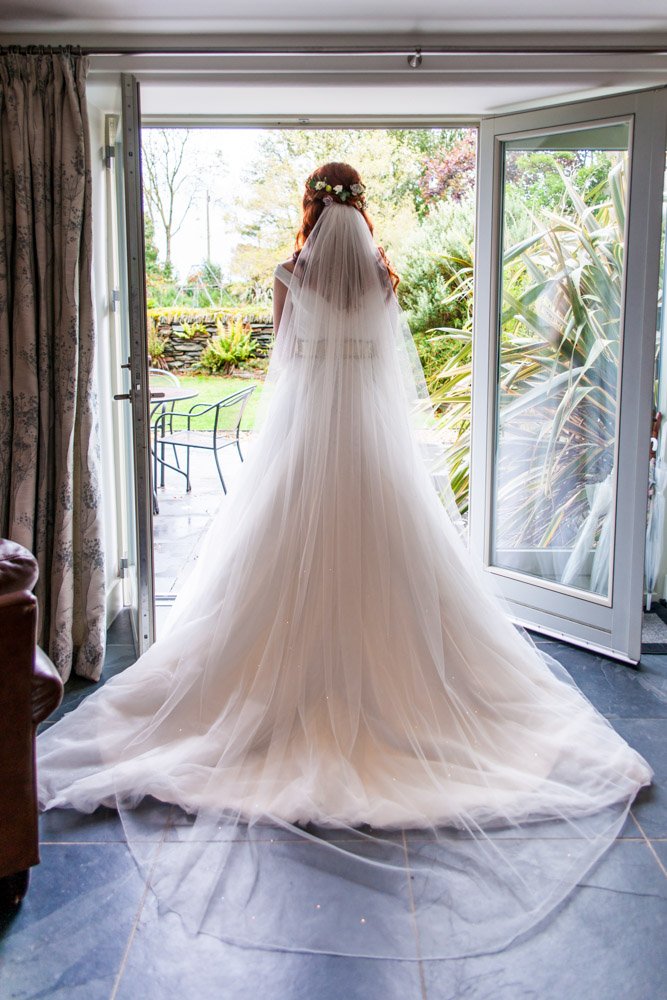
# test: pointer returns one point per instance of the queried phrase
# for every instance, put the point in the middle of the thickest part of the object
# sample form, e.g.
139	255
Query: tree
442	164
541	175
450	173
152	253
390	161
160	285
170	184
206	285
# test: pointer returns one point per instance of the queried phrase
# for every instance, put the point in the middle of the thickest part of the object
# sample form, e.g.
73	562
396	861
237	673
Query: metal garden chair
206	440
160	380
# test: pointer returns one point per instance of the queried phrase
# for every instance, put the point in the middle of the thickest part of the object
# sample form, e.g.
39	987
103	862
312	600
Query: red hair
335	173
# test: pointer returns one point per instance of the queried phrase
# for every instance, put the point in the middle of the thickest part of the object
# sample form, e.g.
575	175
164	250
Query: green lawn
210	389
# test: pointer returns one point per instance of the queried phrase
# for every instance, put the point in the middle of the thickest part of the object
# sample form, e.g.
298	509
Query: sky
236	148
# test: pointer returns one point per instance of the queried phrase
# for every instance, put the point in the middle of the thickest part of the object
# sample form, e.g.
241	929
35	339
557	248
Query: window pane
563	239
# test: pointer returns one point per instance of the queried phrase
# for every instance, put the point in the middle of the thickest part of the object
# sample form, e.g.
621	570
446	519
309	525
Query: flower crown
342	193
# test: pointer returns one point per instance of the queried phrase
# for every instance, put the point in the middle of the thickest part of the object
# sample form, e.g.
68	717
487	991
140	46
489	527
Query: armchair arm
47	687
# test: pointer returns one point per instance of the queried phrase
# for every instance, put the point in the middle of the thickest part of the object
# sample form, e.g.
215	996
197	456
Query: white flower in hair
341	192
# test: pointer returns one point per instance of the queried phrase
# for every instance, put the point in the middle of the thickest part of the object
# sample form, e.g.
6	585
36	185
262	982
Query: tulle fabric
341	741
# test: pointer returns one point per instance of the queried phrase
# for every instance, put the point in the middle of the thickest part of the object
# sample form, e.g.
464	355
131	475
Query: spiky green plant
558	368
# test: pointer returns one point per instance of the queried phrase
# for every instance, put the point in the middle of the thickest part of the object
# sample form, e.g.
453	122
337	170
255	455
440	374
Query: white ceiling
355	80
335	16
203	89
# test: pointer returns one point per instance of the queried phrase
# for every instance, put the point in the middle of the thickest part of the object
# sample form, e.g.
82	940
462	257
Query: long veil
341	742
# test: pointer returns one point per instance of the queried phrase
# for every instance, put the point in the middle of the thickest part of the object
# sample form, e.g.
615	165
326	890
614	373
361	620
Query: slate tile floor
88	927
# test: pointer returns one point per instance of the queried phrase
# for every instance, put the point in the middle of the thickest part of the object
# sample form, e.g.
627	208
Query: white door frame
133	302
611	625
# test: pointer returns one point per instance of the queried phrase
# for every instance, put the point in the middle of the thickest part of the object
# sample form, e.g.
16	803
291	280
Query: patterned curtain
49	441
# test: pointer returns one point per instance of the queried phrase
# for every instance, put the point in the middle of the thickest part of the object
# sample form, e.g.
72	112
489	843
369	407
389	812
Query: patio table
158	398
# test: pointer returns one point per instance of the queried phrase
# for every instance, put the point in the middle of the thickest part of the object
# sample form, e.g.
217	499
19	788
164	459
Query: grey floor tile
117	658
166	961
660	848
617	690
61	826
68	938
119	632
76	689
649	737
604	943
630	829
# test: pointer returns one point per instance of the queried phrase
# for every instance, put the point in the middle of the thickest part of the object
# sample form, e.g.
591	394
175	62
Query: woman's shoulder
284	271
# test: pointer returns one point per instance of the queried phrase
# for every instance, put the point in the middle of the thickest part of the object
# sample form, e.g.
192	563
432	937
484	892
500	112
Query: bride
341	740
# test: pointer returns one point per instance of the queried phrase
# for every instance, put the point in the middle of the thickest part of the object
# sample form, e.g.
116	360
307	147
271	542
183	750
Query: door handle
125	395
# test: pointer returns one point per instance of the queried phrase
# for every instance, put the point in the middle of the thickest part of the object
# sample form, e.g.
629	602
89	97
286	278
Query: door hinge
111	123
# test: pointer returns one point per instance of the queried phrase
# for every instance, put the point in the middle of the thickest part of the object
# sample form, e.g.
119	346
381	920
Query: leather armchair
30	689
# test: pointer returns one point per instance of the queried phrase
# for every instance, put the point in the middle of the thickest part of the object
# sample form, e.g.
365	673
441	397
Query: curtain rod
324	50
407	51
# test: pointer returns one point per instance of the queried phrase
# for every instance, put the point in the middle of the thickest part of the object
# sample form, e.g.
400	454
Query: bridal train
341	737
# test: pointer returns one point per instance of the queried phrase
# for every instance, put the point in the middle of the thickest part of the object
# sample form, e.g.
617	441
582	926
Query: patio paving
184	517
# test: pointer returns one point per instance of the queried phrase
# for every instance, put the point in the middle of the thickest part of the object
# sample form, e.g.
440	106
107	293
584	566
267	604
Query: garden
210	323
562	278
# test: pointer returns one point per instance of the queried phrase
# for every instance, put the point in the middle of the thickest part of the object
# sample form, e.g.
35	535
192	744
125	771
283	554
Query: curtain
49	437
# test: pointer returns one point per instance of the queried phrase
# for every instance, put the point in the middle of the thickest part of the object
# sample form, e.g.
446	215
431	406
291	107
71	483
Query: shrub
190	330
229	349
434	348
434	263
155	347
188	314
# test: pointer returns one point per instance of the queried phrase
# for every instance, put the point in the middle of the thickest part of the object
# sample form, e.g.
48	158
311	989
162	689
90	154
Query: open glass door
130	361
567	264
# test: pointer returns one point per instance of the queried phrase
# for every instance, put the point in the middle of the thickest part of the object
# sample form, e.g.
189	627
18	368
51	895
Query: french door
564	348
565	323
129	360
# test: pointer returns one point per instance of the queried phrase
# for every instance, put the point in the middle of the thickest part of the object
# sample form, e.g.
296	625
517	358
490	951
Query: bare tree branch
168	181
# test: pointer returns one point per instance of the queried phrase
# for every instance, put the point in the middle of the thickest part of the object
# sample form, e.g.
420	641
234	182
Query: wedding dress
341	739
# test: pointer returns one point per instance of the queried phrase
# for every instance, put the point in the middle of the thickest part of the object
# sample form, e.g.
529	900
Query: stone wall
182	353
